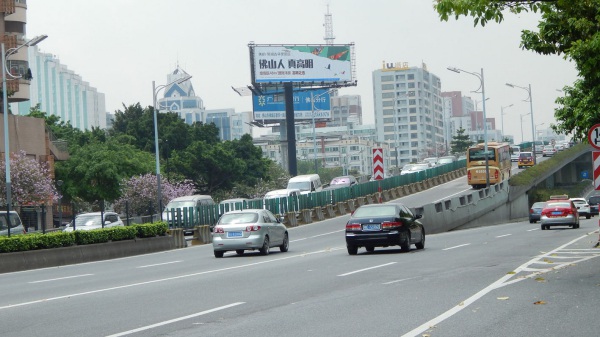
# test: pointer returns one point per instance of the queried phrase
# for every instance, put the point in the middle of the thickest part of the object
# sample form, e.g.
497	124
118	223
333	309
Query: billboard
323	64
271	106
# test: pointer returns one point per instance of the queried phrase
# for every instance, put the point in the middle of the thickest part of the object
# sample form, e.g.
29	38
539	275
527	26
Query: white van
16	226
515	152
187	201
306	183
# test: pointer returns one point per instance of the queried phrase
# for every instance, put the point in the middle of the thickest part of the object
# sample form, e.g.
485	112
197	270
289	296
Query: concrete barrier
290	219
178	237
330	211
44	258
305	216
351	205
342	208
318	214
202	235
361	201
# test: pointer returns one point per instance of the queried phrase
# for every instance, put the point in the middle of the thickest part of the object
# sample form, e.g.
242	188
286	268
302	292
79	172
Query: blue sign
272	106
584	175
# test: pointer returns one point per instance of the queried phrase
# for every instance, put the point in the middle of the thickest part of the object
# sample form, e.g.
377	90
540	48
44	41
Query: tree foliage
460	142
30	181
567	28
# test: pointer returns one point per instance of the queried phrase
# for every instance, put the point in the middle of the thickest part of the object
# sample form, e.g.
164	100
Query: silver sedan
249	229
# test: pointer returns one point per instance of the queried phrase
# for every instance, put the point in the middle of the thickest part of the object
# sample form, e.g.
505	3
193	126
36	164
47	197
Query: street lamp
155	90
5	55
483	99
528	89
502	118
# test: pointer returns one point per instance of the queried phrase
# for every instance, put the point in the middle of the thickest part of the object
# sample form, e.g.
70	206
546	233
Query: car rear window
236	218
524	154
595	200
375	211
559	204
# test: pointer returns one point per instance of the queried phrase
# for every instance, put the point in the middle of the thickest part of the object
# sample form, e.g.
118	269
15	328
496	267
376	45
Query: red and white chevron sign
378	164
596	159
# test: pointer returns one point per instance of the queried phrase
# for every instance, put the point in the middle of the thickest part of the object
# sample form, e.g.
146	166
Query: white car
583	208
89	221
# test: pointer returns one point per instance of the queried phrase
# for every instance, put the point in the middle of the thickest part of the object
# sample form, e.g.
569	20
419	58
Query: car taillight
353	227
218	230
469	175
252	228
531	210
390	224
496	175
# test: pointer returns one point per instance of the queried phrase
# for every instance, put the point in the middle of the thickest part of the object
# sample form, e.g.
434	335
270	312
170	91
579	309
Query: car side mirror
418	216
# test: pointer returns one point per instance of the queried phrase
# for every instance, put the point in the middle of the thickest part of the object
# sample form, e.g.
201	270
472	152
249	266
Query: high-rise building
408	112
181	98
63	93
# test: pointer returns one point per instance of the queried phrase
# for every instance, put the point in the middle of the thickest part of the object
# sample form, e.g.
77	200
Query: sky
120	47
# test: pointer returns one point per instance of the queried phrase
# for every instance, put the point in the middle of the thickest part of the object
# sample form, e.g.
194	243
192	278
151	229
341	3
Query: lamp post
502	118
155	90
483	99
528	89
5	55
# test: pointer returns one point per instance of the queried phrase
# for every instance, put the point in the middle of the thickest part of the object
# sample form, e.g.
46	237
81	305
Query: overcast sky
120	47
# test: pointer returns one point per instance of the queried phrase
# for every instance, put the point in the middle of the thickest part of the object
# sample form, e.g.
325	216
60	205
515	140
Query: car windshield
88	220
14	221
301	185
340	181
180	204
362	212
238	218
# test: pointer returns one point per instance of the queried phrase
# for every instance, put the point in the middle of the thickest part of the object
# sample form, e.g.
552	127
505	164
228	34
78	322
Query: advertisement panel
301	63
271	107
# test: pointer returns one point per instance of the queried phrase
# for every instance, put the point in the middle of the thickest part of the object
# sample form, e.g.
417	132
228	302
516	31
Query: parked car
340	182
525	159
249	229
383	225
415	168
16	226
536	211
583	208
593	201
177	206
93	220
548	151
559	213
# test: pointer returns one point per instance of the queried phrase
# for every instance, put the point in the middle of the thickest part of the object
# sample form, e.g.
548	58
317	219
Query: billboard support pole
291	128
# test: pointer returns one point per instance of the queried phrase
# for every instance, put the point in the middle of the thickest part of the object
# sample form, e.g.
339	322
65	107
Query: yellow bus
499	164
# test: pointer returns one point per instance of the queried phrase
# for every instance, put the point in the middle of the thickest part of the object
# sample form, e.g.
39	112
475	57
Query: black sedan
384	225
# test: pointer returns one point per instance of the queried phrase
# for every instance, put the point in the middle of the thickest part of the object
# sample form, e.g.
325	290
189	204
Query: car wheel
588	216
531	221
352	249
286	244
405	244
543	227
264	250
239	251
219	253
421	244
370	249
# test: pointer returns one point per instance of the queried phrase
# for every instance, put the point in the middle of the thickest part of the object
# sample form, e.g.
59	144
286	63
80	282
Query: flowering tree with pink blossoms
140	192
30	181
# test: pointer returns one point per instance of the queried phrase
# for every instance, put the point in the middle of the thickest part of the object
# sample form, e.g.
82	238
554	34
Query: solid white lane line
167	279
60	278
501	236
298	240
148	327
158	264
534	229
466	244
365	269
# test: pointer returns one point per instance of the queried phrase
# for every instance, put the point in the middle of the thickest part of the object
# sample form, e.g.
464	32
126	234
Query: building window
387	87
388	78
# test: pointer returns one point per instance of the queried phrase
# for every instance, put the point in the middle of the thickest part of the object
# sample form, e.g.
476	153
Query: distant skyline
121	48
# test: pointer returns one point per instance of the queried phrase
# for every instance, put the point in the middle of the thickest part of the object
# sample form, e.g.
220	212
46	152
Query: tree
140	193
30	181
94	171
568	28
460	142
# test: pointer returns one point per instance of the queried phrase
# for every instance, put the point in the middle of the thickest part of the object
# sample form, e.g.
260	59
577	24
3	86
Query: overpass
508	201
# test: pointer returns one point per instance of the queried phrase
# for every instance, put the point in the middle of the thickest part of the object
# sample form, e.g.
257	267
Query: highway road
505	280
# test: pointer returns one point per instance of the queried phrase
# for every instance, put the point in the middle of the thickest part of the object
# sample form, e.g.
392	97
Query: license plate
556	213
371	227
234	234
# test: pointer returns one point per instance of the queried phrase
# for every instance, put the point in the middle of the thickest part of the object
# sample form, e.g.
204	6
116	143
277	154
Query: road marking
534	229
158	264
315	236
60	278
503	281
125	286
466	244
404	279
501	236
148	327
298	240
365	269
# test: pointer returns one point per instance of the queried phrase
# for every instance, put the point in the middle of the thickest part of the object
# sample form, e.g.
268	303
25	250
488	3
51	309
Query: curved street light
155	90
483	99
5	55
528	89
